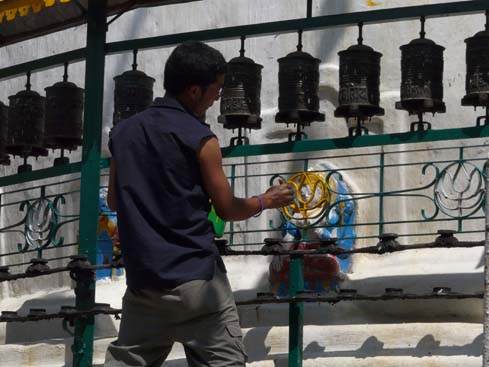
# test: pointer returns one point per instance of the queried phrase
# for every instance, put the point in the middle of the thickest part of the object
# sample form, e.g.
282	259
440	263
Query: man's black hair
192	63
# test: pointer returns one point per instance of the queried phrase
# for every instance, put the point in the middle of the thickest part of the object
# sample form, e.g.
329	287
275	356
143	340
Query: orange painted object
316	267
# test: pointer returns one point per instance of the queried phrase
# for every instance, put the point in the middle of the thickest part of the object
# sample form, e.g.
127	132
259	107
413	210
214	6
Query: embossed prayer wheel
64	115
4	159
133	93
298	101
25	133
240	98
422	76
359	93
477	78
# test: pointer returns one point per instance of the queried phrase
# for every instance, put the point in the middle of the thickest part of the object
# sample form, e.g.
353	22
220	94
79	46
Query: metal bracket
124	10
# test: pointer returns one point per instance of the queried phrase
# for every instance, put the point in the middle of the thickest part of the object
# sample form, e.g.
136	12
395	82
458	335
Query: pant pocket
236	336
234	330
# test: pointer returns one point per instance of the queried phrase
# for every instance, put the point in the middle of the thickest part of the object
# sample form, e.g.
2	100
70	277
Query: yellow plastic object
9	9
218	223
312	196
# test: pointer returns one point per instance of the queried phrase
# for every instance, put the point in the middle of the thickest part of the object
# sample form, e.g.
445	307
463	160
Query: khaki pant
200	314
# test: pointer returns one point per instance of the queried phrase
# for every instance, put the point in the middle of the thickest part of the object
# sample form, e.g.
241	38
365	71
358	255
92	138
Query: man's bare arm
228	206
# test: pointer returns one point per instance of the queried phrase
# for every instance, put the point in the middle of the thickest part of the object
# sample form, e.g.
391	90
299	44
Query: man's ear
195	92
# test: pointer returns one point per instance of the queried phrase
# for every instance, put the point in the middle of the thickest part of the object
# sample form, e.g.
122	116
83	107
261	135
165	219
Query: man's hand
278	196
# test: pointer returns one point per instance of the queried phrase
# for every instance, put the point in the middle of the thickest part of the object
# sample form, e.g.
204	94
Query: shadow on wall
420	283
427	346
380	312
372	347
28	332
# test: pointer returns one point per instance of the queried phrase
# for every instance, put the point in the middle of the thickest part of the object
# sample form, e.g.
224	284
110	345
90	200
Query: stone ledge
400	345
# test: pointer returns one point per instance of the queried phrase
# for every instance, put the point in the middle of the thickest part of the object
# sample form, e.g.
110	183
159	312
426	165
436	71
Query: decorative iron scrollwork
458	192
41	223
459	189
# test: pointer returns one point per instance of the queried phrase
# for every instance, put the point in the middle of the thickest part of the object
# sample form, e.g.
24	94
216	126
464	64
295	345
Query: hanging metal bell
25	133
64	114
477	78
133	93
422	78
4	158
240	98
298	101
359	93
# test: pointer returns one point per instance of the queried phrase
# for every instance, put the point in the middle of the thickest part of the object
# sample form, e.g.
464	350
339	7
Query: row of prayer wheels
359	91
33	123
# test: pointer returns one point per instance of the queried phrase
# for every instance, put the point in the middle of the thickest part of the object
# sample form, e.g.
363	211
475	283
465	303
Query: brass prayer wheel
359	93
422	78
25	133
64	115
477	77
133	93
240	98
298	101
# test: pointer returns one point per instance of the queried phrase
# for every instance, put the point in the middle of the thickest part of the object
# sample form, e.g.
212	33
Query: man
166	165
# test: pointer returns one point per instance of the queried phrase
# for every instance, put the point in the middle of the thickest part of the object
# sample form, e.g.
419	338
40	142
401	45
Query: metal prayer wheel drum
240	98
477	78
64	114
4	159
359	94
133	93
25	133
422	77
298	101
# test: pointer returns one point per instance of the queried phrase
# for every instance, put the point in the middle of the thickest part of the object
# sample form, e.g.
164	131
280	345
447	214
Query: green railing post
461	161
381	191
90	175
296	311
231	225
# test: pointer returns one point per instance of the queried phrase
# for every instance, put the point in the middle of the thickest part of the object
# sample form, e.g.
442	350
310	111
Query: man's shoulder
137	120
160	118
126	124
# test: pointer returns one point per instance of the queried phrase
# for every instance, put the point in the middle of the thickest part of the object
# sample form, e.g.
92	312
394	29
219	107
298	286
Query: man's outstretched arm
228	206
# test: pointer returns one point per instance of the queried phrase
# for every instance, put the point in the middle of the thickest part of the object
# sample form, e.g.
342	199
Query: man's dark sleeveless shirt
165	236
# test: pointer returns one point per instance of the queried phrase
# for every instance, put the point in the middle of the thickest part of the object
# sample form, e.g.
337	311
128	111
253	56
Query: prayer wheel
64	114
422	79
25	133
359	93
477	77
133	93
298	101
240	98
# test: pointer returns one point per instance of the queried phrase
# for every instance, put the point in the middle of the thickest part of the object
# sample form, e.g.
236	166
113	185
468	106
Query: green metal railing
459	166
